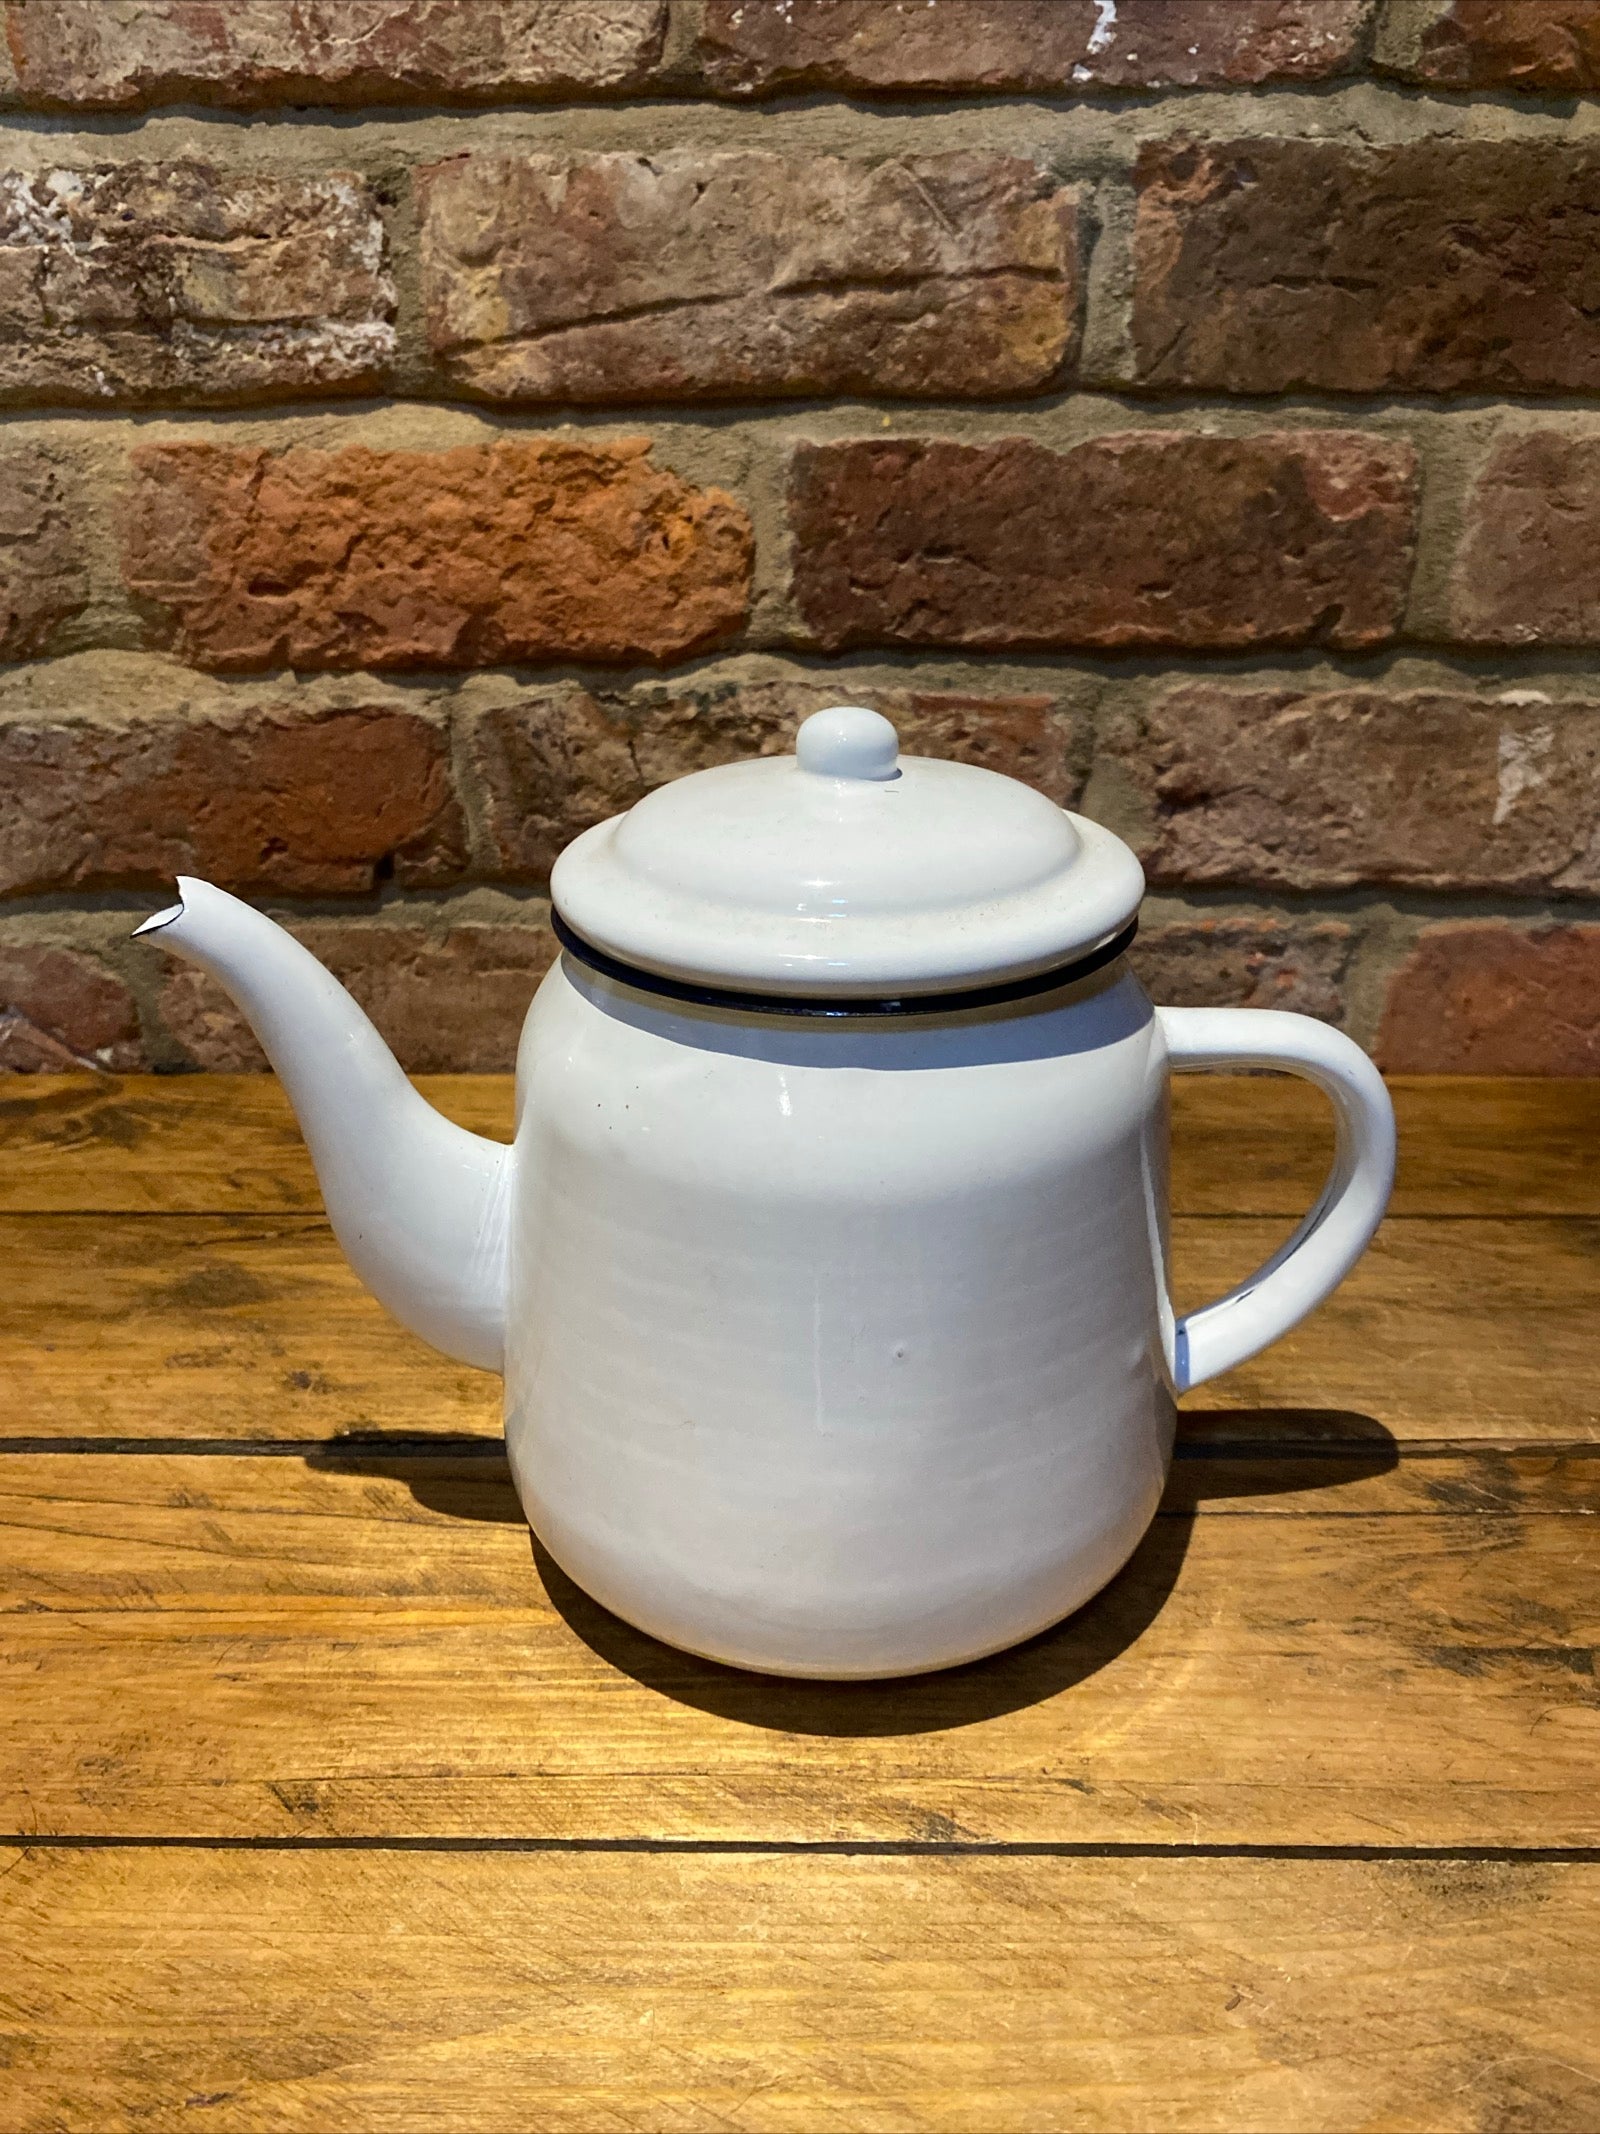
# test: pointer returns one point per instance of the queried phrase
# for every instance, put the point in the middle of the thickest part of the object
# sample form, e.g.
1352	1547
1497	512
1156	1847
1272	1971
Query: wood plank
252	1327
1469	1145
431	1993
1329	1651
1447	1331
1244	1145
211	1327
194	1144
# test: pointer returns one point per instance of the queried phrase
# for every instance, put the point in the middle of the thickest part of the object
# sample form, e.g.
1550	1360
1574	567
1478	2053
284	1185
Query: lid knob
848	742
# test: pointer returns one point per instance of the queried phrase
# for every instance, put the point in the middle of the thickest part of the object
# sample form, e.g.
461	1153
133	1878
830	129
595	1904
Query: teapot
828	1266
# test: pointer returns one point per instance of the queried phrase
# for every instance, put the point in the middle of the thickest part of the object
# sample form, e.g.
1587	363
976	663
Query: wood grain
226	1144
427	1994
1469	1145
246	1327
1312	1651
211	1327
203	1144
1446	1332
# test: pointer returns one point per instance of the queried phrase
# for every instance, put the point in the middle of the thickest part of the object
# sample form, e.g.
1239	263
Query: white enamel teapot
828	1267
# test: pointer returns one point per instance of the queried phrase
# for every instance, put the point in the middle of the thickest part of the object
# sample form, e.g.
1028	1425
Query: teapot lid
846	869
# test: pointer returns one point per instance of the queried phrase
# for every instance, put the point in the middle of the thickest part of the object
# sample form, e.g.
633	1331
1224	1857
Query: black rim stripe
837	1010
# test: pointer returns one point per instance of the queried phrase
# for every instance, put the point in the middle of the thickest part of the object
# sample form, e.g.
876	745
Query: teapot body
839	1348
828	1271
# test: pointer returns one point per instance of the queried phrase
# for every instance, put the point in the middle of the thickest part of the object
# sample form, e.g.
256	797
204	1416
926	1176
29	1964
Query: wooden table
329	1804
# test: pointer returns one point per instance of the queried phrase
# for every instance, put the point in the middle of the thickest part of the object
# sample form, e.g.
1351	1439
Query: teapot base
957	1635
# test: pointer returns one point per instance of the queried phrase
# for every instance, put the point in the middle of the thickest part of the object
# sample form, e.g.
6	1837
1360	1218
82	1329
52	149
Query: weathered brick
43	582
552	762
1332	789
256	797
1525	572
1265	266
60	1010
482	554
95	55
451	1002
1482	997
145	281
1149	537
1549	46
691	274
1246	962
886	47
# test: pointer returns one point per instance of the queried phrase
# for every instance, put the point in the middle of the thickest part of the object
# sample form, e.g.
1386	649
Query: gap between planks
355	1451
812	1848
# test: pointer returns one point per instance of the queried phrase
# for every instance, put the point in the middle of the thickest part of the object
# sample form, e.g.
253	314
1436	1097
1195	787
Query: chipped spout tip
157	920
187	888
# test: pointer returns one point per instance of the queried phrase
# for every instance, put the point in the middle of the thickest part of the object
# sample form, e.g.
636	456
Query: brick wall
429	425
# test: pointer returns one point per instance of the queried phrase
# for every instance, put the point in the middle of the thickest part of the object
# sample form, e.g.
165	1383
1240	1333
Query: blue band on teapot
821	1007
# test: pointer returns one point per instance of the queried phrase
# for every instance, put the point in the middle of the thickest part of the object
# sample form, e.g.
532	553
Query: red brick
1335	789
60	1010
143	281
90	55
1526	570
1549	46
552	762
484	554
1482	997
1151	537
695	274
448	1003
42	579
1246	962
1438	266
320	802
885	47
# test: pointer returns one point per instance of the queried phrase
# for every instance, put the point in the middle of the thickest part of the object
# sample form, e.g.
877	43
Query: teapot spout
419	1205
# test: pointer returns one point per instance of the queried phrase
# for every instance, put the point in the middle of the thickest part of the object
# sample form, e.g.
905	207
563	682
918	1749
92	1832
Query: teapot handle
1347	1211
